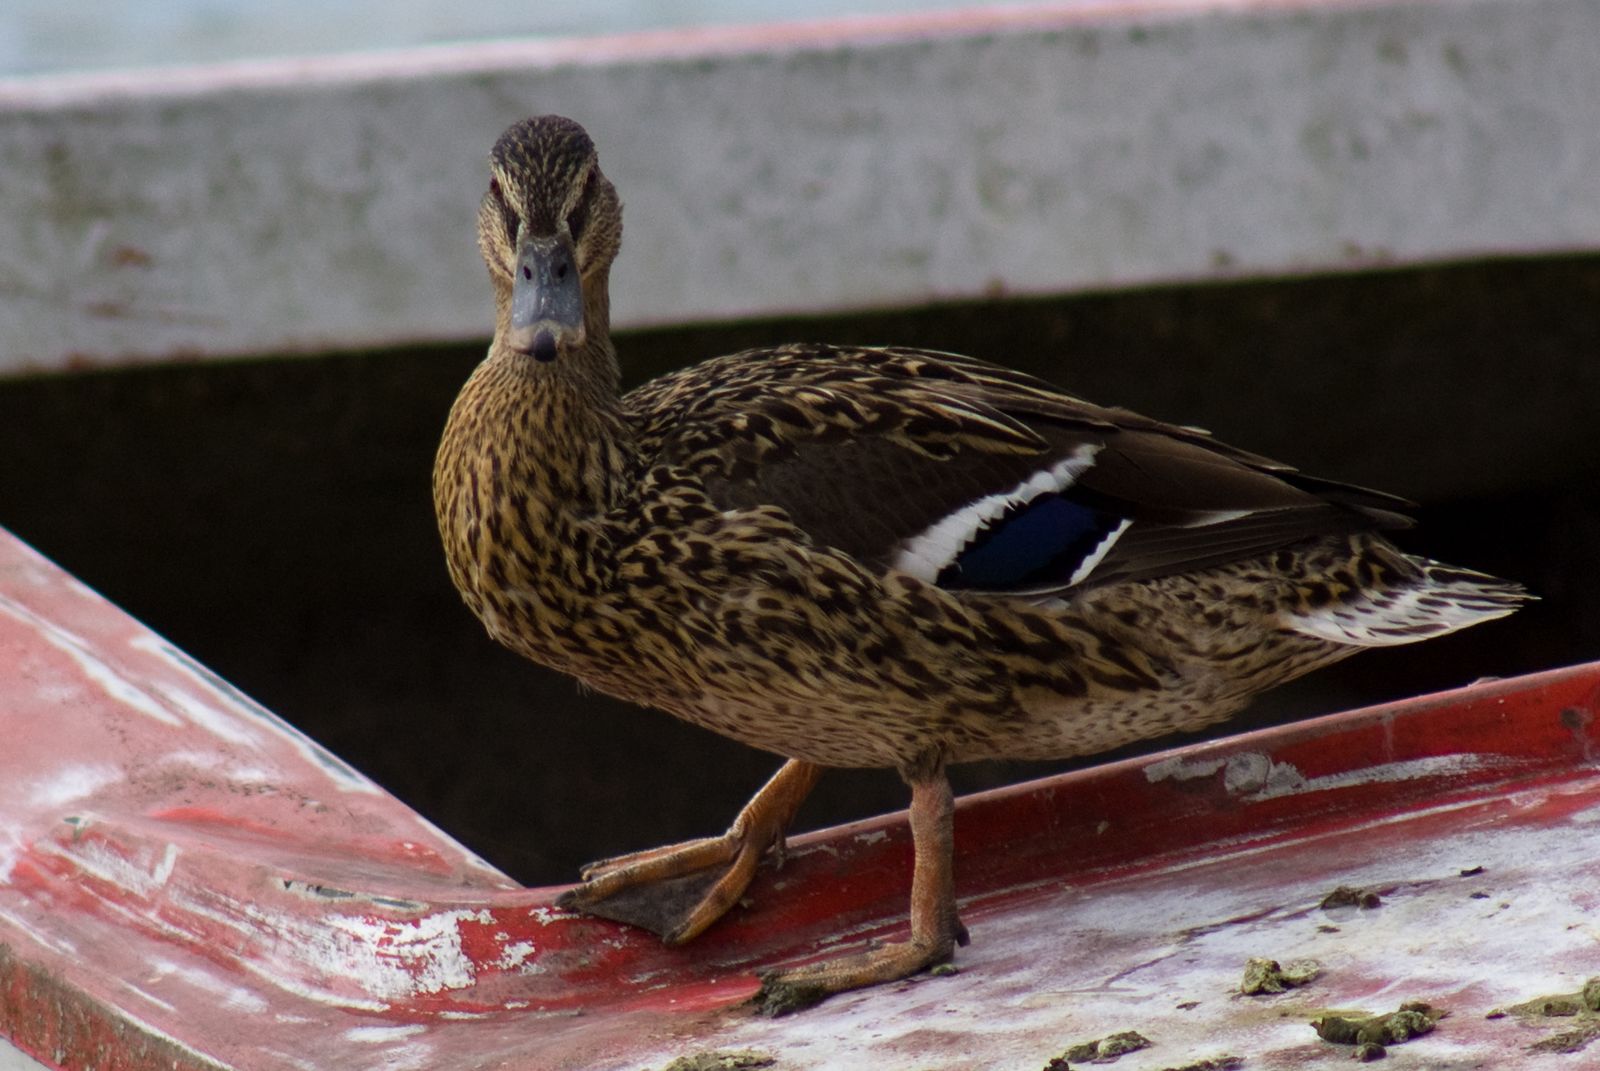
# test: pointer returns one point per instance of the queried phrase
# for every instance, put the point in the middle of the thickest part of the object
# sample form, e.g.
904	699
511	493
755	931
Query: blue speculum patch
1042	541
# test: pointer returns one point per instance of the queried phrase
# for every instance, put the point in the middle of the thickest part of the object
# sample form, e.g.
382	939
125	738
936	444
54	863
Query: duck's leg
935	929
679	890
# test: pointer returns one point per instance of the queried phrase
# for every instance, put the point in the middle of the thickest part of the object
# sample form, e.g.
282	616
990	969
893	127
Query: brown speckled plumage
806	548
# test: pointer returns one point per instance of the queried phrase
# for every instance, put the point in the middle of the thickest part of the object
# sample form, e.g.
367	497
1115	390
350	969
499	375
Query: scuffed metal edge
59	1025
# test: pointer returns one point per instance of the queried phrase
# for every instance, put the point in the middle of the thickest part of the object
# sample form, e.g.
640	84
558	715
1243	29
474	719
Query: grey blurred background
47	36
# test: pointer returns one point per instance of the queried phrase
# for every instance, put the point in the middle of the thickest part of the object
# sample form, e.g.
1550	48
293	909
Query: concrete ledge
327	204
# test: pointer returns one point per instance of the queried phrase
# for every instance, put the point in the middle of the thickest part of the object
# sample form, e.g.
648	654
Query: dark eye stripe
506	213
580	214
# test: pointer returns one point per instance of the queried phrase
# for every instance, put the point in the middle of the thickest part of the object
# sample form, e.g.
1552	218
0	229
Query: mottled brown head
548	228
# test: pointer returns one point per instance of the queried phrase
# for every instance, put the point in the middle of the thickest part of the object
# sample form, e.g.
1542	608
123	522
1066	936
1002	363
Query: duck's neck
554	434
559	424
534	456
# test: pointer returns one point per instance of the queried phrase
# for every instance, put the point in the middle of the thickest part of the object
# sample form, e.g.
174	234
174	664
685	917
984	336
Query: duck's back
976	477
1107	577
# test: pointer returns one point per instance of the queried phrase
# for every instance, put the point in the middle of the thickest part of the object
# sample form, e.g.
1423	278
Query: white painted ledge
302	206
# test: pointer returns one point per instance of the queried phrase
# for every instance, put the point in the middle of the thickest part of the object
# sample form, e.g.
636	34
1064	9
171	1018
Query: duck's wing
975	476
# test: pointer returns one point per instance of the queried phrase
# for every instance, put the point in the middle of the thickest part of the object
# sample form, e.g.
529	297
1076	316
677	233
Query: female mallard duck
872	557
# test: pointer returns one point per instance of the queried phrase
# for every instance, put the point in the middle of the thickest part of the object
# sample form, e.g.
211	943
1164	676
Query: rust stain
127	256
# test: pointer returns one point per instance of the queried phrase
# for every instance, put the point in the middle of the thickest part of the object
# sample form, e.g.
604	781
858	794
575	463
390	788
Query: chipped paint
388	958
1285	780
516	955
1258	777
1180	767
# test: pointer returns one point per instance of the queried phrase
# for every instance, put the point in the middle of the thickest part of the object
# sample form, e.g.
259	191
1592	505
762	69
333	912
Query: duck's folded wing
978	477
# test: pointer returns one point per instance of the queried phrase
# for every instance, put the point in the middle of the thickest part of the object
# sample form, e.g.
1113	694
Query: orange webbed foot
680	890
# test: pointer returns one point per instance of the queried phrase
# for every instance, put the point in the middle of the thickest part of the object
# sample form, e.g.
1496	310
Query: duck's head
548	227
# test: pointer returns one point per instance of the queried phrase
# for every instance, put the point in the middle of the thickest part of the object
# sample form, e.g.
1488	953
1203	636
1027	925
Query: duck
883	557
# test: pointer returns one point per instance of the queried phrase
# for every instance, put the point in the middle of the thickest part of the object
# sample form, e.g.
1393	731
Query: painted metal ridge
188	883
301	206
102	714
356	925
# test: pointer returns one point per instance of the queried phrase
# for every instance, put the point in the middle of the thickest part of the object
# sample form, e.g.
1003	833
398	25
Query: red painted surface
187	882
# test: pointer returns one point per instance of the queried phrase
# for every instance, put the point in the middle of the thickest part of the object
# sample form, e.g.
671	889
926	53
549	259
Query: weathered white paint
71	783
394	959
1285	780
242	720
309	205
1182	768
142	874
208	977
1257	777
1184	934
91	664
376	1034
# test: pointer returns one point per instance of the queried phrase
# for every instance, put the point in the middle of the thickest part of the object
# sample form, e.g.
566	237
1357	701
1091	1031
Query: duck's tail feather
1433	600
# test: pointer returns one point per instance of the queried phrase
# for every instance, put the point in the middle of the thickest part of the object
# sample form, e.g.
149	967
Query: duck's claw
680	890
795	990
676	891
